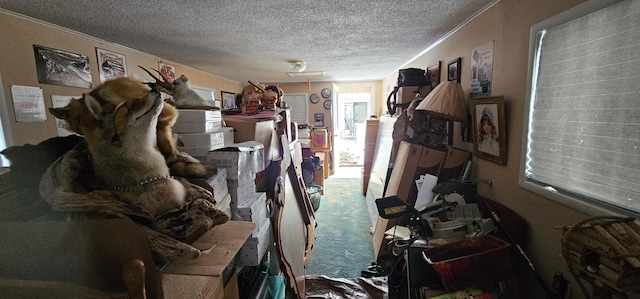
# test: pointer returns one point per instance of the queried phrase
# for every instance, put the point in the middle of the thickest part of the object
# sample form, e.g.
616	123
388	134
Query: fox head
112	108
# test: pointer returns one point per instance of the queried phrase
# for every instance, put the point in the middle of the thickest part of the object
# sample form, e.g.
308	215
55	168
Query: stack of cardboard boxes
201	131
202	134
242	162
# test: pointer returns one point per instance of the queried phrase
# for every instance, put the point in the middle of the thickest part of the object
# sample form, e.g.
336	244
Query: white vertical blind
584	132
299	107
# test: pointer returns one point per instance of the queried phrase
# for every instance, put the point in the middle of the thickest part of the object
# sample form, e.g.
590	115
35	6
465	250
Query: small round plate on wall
314	98
326	93
327	104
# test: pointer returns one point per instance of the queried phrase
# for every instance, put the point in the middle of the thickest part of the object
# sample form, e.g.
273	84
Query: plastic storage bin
479	261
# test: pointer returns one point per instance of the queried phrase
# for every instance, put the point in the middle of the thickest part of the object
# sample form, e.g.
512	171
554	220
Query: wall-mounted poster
64	68
168	71
61	125
28	103
110	64
481	71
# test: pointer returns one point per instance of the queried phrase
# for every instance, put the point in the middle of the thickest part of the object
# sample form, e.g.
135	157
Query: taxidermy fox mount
120	121
121	91
179	90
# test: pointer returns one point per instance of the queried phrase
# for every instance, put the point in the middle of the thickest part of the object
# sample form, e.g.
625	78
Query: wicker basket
605	251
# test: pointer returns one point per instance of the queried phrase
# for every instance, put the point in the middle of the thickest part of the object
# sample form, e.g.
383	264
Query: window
583	108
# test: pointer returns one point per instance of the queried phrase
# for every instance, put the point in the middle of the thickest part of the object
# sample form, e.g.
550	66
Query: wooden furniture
371	134
321	147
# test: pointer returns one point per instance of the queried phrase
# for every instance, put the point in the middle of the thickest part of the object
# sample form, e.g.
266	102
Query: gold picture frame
489	134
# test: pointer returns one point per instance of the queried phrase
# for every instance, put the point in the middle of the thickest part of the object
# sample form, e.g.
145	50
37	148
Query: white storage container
219	184
254	248
241	190
198	121
252	208
242	160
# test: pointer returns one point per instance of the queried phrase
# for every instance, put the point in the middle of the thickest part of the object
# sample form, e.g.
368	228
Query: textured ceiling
347	40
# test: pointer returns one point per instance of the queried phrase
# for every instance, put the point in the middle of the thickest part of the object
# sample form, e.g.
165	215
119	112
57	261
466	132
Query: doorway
353	108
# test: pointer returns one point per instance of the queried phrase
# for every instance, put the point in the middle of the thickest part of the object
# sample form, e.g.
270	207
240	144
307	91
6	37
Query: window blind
584	130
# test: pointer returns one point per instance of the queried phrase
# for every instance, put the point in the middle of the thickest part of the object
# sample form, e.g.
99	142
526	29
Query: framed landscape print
433	72
453	70
489	135
110	64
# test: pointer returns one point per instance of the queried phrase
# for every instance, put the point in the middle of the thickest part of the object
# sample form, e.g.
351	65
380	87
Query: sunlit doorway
353	109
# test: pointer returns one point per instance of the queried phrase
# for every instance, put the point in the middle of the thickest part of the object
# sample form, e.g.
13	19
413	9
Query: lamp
446	101
298	65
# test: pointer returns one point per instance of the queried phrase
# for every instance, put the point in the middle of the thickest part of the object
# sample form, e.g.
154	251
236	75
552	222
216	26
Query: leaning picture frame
489	134
453	70
433	72
110	64
228	100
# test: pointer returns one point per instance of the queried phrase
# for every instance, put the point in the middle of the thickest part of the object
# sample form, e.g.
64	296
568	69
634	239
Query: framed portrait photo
434	73
489	134
453	70
228	100
110	64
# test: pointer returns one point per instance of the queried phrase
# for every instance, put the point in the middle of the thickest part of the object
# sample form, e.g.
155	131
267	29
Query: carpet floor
343	245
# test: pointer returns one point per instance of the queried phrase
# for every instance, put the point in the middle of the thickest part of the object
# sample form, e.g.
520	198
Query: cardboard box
254	248
198	121
410	162
260	130
203	277
199	152
219	184
222	137
242	160
225	204
252	208
240	190
406	94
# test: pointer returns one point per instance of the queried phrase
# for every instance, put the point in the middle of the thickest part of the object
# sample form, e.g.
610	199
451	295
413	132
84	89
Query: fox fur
120	93
127	160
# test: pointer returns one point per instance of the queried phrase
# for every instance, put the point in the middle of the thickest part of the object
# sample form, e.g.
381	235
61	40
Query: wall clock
327	104
314	98
326	93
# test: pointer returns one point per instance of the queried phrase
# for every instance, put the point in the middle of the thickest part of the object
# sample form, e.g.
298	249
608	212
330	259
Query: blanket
70	185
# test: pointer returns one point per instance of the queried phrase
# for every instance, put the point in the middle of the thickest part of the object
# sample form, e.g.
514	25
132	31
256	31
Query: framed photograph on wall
168	71
453	70
489	135
110	64
434	73
60	67
228	100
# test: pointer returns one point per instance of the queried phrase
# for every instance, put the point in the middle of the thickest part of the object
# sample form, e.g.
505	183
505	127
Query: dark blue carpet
343	245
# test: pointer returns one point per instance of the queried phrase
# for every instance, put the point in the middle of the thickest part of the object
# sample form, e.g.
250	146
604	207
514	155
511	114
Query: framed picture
453	70
434	73
64	68
228	100
168	71
110	64
489	135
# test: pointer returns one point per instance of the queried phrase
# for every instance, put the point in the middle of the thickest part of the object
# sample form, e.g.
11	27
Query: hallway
343	245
